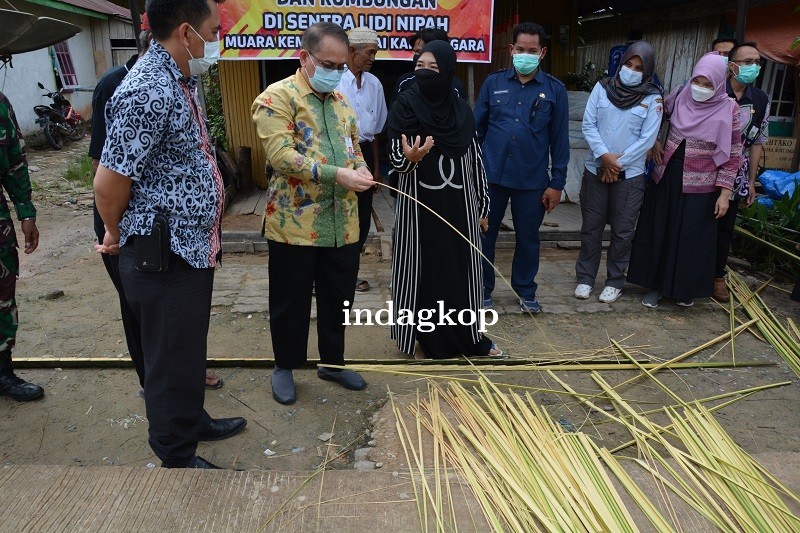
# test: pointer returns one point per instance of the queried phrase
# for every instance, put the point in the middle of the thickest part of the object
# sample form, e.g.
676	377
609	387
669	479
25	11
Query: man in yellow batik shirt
310	137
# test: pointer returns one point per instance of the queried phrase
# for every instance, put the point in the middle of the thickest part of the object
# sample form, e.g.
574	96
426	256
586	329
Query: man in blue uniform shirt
521	117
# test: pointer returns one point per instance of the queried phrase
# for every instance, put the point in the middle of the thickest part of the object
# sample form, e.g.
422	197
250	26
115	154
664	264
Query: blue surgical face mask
630	77
748	73
525	63
325	80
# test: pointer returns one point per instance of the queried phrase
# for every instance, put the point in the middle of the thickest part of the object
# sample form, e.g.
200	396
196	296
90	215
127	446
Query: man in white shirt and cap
365	94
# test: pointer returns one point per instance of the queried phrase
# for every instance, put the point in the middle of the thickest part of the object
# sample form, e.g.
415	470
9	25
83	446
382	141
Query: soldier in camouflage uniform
16	182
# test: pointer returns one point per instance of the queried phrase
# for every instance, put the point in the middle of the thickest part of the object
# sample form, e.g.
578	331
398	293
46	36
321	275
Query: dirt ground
95	416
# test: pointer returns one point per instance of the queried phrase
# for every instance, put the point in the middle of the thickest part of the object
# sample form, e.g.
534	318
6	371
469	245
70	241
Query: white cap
362	35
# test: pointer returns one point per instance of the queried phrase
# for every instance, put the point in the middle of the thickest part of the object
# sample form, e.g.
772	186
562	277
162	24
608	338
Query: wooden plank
245	204
62	498
240	84
261	205
678	43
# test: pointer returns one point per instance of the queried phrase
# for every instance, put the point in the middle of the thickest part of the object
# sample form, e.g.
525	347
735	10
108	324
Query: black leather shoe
222	428
197	462
346	378
18	388
283	386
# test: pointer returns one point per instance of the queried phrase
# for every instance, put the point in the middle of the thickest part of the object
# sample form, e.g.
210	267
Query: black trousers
725	236
172	310
365	198
129	323
293	272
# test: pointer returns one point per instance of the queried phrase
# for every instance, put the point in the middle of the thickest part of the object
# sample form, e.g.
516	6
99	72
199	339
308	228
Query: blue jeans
527	212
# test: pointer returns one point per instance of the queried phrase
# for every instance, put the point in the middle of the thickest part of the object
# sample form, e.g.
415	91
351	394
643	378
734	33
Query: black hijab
431	107
624	97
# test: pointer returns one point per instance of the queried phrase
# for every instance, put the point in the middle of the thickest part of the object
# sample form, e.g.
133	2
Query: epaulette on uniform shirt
558	81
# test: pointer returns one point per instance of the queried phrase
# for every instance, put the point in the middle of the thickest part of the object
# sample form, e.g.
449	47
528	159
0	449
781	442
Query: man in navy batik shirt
157	165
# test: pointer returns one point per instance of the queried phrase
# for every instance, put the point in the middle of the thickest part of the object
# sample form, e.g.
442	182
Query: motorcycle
59	120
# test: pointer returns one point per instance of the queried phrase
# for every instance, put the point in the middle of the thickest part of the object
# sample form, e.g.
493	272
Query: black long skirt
674	248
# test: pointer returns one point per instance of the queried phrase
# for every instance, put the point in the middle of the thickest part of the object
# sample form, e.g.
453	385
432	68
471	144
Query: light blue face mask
748	74
325	80
525	63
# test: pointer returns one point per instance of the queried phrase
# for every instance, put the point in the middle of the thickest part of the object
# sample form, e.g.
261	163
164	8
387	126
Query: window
778	83
66	70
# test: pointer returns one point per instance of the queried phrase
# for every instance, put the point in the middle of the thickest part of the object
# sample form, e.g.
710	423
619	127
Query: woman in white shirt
621	122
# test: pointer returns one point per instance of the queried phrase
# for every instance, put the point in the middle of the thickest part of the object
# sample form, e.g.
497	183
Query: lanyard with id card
348	142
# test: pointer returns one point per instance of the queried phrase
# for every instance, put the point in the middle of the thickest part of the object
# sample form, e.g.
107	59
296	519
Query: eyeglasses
747	62
328	65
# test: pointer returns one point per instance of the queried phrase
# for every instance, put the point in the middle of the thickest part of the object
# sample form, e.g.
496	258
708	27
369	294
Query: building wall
19	83
91	56
120	29
561	56
240	84
678	43
101	50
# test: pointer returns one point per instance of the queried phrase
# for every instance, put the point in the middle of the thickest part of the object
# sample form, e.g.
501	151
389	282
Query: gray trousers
618	204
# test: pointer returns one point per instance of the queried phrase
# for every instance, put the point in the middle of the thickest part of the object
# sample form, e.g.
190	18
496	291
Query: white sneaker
609	295
583	291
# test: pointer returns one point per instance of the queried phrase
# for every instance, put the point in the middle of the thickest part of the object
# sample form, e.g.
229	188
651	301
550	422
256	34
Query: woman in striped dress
434	150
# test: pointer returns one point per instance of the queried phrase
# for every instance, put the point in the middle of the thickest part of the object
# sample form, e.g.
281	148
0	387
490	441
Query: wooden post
741	19
244	166
137	23
796	158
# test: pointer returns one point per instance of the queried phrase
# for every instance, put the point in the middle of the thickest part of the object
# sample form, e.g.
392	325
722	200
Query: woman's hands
724	200
415	152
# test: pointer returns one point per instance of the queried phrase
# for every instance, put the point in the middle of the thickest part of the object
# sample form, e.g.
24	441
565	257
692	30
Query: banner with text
271	29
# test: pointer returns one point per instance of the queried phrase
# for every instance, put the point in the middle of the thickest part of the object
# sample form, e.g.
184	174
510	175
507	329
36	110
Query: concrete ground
78	459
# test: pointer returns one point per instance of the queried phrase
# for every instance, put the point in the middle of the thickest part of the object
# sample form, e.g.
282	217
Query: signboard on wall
271	29
779	152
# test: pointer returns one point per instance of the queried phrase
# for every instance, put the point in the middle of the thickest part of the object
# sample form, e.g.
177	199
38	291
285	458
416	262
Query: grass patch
80	172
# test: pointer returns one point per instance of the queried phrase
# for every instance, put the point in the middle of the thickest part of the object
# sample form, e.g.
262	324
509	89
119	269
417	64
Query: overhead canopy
773	28
102	9
24	32
773	25
597	8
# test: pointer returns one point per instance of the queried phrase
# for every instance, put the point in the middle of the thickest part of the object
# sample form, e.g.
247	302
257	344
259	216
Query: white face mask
200	65
630	77
701	94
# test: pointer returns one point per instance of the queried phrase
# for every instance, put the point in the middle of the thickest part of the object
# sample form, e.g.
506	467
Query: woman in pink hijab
674	246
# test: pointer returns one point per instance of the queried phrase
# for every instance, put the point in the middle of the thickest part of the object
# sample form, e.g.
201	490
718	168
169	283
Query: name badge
348	142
